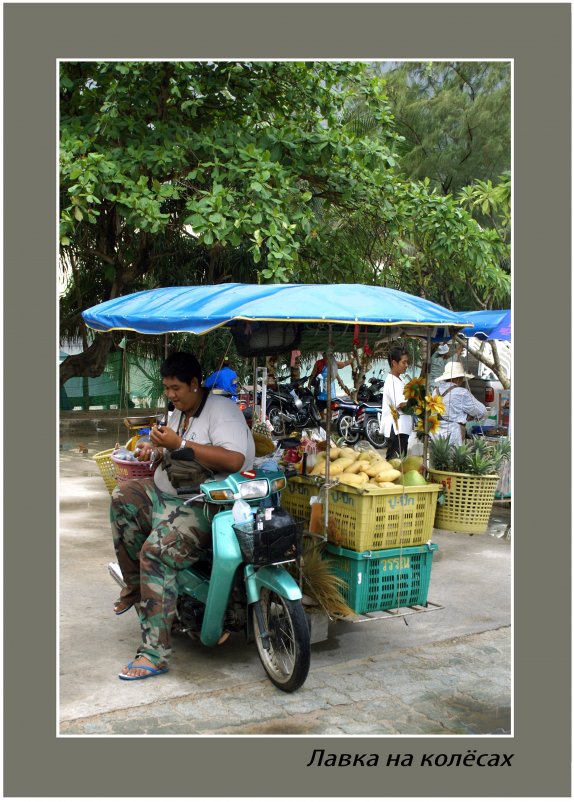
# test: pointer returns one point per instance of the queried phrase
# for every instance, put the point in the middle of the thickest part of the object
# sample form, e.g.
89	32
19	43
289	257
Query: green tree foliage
454	118
175	173
210	169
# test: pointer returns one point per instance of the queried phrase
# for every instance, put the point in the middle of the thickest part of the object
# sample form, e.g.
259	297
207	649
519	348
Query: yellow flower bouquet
426	408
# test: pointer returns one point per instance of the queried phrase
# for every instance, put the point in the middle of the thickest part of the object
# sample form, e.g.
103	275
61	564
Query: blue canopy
489	325
199	309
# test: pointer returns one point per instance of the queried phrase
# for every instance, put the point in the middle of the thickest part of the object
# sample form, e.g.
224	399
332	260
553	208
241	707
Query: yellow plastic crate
468	501
382	520
107	468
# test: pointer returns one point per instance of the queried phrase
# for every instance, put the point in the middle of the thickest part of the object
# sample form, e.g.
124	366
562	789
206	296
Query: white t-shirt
220	423
393	395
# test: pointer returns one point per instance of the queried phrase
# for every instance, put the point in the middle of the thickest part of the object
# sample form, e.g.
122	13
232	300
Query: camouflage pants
154	536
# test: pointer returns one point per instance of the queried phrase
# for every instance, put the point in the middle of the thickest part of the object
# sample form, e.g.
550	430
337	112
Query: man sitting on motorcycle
155	533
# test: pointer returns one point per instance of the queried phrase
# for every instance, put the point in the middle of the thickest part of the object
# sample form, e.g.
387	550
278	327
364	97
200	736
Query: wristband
183	444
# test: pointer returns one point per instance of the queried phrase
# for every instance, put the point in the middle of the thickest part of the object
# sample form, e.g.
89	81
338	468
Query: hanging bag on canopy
264	338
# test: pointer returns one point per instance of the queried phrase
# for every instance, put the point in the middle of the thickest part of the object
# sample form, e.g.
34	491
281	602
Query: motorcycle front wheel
344	427
373	434
276	421
288	658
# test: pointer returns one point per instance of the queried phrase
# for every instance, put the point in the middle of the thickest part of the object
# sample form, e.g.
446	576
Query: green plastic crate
383	580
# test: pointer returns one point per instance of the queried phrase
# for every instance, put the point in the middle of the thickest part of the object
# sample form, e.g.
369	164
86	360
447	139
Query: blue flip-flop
153	672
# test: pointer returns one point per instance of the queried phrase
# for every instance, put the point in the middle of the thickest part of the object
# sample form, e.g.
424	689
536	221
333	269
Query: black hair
183	366
395	354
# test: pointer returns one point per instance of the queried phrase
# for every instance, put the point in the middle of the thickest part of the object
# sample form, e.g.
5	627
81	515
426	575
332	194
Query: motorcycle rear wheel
373	434
288	658
344	424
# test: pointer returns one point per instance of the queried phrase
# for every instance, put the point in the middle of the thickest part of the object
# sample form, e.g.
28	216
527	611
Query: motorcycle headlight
257	489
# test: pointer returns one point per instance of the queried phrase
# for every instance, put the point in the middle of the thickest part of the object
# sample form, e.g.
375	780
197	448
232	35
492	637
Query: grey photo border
537	38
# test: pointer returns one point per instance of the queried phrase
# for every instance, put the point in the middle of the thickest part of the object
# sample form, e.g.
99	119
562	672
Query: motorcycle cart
267	320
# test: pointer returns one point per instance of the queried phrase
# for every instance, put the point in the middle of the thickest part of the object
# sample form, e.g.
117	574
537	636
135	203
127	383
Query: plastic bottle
316	519
242	512
259	518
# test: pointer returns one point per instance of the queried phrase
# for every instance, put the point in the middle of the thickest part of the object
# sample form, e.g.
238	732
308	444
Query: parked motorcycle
242	584
369	422
373	390
355	421
344	415
292	406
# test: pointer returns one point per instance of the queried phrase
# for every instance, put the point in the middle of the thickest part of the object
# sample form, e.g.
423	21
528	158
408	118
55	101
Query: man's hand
165	437
144	452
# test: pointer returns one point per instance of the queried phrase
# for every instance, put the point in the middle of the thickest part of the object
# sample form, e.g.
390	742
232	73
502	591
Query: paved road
447	672
451	687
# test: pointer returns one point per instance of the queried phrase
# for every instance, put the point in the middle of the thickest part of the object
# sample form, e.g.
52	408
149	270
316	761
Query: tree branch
89	363
493	364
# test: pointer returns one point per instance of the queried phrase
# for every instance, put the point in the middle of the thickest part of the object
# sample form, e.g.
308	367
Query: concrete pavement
443	672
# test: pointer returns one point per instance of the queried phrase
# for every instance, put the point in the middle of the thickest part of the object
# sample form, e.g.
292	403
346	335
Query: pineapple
460	458
480	464
481	446
440	451
500	452
261	427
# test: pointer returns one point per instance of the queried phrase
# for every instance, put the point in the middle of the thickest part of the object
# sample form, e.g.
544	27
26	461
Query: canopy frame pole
263	393
427	391
328	431
165	355
254	374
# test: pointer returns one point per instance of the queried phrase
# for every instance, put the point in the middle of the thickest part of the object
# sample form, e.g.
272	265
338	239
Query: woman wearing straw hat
459	403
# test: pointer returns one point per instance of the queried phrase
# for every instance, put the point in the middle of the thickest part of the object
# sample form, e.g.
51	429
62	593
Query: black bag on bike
184	471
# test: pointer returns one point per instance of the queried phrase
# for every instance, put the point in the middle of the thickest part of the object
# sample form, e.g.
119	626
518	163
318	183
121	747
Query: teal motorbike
242	584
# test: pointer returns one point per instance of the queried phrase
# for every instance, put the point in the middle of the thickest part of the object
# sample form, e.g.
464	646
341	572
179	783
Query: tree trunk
493	364
89	363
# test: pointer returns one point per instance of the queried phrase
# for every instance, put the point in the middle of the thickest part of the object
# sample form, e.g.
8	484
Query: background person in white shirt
396	426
